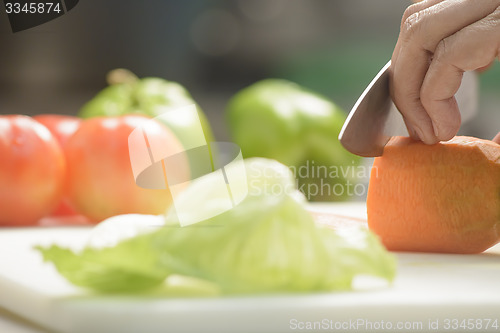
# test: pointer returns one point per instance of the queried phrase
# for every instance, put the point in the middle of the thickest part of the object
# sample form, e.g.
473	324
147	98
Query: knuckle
452	51
425	96
409	12
496	13
493	20
412	25
441	53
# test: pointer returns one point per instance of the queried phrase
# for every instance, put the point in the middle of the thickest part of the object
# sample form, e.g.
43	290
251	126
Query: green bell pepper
148	96
280	120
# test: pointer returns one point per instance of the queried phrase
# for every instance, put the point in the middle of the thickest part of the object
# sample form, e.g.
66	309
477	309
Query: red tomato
32	170
62	127
101	181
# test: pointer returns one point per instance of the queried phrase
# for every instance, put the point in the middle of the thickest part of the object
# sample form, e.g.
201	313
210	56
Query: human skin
440	40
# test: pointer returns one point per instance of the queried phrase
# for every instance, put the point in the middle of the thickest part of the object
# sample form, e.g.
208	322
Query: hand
438	42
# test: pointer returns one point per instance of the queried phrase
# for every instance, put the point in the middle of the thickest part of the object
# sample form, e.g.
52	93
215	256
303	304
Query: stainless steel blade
374	119
363	131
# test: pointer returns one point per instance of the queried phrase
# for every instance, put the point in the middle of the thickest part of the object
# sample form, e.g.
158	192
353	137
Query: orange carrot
439	198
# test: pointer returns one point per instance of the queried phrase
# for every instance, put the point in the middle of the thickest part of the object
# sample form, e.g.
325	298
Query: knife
374	119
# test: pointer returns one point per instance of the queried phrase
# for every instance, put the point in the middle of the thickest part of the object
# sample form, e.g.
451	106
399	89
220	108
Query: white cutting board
429	288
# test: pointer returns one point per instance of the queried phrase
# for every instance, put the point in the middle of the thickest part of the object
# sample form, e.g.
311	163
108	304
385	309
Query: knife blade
374	119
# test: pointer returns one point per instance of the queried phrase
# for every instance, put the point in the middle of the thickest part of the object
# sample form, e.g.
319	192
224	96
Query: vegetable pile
92	180
267	243
79	169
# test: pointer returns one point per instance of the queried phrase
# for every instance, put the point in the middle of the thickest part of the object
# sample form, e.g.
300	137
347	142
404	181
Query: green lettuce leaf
130	266
267	243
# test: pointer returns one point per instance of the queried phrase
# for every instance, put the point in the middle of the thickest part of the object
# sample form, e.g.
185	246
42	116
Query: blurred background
213	48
